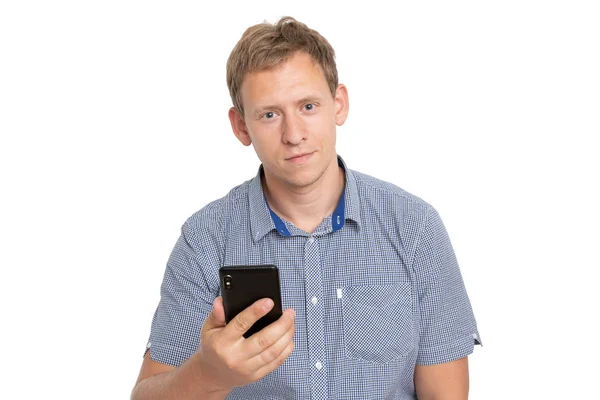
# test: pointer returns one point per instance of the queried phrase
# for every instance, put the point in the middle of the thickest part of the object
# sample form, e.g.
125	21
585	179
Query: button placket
315	318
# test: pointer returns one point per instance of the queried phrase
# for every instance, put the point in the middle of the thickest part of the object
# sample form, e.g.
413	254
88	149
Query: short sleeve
186	300
448	330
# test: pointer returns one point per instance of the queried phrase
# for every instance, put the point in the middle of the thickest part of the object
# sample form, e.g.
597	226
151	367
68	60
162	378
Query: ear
342	104
239	127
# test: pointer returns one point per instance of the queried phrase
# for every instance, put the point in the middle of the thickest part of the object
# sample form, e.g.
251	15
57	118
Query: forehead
298	76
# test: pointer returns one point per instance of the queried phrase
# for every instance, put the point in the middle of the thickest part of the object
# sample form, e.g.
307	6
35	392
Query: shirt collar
264	220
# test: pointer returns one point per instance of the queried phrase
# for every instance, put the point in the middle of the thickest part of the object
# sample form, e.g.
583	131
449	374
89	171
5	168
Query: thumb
216	318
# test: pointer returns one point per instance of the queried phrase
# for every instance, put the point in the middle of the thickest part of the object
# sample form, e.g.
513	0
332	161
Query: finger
236	328
275	350
270	334
218	311
273	365
216	318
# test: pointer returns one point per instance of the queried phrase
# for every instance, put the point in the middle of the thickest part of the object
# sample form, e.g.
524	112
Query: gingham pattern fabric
376	289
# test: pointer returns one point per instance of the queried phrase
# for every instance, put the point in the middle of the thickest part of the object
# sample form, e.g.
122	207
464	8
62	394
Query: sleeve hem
447	352
167	354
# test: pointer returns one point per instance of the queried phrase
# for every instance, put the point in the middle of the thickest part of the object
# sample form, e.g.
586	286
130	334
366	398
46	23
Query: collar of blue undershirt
337	218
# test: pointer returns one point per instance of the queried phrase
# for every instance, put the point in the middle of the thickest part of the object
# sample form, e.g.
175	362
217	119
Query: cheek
323	128
264	136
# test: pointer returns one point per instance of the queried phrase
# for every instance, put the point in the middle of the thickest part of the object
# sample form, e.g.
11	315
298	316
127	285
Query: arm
161	381
447	381
225	358
447	326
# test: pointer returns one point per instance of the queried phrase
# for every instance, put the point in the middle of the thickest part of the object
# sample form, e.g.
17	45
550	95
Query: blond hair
264	46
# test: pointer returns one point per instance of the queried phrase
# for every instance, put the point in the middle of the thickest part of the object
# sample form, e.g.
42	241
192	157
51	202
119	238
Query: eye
269	115
309	107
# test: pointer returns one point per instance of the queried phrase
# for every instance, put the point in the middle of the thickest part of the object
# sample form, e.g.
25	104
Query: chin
304	178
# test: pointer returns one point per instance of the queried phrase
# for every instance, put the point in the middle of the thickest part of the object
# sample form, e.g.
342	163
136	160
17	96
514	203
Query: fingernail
267	304
293	313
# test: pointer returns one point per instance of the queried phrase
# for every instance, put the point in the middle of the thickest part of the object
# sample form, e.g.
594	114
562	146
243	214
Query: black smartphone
242	285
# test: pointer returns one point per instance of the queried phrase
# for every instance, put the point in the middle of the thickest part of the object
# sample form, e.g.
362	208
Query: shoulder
213	217
393	211
379	194
398	215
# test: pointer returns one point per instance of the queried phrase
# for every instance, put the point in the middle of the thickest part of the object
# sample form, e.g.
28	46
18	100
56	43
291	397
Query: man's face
290	119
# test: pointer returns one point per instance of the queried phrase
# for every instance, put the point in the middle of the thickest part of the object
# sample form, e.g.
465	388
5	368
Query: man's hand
228	359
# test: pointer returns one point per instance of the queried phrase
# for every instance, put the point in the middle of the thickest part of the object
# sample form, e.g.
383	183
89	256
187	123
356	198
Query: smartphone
242	285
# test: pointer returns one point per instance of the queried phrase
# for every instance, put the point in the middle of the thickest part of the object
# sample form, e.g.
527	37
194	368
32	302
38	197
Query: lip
300	158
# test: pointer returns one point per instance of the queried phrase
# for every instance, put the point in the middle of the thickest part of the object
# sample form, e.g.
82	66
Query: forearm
182	383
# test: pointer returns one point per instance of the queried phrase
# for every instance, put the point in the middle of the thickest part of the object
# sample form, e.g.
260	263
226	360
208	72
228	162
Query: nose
294	131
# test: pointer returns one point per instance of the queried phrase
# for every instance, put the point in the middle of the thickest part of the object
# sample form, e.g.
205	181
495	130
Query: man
375	306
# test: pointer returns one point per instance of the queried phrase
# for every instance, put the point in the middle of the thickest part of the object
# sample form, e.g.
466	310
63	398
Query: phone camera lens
227	281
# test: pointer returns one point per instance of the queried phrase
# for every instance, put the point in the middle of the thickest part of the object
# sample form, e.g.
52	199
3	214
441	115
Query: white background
114	130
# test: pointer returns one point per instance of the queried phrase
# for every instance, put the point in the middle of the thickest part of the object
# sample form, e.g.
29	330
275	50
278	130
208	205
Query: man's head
265	46
287	102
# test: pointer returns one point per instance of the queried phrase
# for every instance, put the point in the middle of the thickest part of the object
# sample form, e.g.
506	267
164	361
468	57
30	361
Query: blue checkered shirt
376	289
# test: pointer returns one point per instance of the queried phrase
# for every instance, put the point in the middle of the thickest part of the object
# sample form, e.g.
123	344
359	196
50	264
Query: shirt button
314	300
318	365
311	239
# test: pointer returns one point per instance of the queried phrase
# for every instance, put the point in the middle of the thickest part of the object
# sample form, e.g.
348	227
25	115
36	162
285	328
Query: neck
306	206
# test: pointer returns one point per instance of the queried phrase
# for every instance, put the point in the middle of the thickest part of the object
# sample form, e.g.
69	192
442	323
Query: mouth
300	158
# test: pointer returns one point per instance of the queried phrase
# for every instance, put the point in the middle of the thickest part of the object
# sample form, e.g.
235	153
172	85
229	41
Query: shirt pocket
377	322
